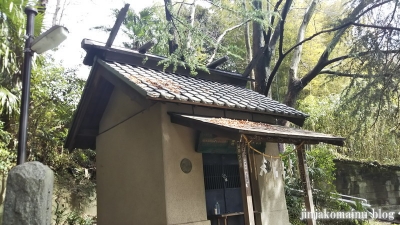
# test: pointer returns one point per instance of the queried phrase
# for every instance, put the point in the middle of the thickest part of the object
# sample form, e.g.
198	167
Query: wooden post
305	179
245	184
114	31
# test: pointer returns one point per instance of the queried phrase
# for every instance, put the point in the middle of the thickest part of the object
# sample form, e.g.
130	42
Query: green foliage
65	217
55	95
144	26
55	92
195	44
321	170
7	157
12	31
75	218
368	137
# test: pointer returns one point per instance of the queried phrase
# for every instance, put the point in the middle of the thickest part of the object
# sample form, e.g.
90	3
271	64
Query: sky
79	17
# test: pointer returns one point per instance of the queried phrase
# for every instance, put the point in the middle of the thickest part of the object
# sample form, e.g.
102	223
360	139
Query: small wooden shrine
177	149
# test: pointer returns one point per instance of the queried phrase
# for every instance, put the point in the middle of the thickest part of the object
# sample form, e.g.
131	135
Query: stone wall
380	185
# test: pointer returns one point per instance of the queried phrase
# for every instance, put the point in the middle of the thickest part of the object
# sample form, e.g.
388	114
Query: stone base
28	195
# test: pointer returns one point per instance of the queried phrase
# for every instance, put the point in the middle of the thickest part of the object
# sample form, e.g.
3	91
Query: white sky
79	17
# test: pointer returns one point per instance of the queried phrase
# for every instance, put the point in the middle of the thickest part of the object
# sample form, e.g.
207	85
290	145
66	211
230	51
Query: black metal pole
26	80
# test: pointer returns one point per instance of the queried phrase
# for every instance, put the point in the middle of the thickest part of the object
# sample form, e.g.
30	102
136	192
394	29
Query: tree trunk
41	5
300	37
294	83
62	11
172	46
259	69
249	52
54	22
192	13
3	188
294	88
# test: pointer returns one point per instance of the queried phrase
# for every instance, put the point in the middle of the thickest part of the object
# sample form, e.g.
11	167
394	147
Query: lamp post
48	40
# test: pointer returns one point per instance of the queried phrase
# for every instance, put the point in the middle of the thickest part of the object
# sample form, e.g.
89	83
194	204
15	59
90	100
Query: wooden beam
144	48
218	62
245	184
305	179
117	25
254	61
88	92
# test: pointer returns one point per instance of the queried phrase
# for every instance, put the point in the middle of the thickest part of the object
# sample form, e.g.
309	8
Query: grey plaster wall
139	180
185	194
130	177
380	185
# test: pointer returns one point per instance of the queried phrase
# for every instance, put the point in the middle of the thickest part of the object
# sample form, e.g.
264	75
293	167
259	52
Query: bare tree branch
192	12
271	43
268	43
172	29
182	3
219	39
335	29
394	12
62	11
297	51
54	22
260	53
354	16
297	85
345	25
359	54
249	52
300	37
219	6
375	26
340	74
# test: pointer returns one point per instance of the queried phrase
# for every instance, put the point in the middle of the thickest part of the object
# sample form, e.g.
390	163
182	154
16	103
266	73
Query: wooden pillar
305	179
245	184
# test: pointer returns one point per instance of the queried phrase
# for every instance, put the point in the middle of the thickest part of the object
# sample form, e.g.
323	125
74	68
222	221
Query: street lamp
48	40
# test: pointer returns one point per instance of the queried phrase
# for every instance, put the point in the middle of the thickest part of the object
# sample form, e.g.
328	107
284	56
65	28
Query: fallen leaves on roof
165	84
238	123
263	128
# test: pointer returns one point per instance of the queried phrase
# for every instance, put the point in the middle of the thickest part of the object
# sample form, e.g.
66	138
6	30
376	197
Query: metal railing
343	198
351	200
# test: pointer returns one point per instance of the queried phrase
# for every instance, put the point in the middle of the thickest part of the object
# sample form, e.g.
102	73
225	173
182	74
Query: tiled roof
169	86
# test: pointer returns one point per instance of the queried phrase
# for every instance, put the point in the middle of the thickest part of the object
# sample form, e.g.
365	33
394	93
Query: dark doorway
222	185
